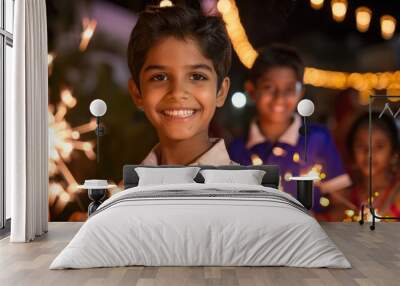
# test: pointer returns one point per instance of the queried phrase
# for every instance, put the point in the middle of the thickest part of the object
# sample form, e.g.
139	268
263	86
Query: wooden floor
374	255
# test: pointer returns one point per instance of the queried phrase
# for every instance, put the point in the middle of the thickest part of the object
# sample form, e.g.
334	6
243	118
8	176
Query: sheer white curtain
26	124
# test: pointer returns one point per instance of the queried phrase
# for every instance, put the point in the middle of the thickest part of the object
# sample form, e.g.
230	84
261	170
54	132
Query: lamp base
97	196
305	193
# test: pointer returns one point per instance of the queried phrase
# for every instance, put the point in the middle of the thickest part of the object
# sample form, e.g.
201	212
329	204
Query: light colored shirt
215	156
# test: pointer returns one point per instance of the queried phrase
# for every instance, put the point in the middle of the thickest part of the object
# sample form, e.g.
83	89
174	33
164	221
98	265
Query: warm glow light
278	151
388	26
296	157
366	83
87	146
317	4
363	18
364	95
224	6
394	90
315	171
89	26
288	176
324	202
55	189
236	32
339	9
67	98
349	213
50	58
256	160
65	197
75	135
63	138
166	3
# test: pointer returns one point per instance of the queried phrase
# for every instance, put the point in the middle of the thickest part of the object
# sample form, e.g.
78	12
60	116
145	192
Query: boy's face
178	89
276	94
382	151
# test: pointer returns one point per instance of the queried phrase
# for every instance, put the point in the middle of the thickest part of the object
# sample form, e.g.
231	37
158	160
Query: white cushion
162	176
248	177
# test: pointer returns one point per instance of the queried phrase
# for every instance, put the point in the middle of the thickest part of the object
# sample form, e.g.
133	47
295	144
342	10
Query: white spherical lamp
98	107
305	107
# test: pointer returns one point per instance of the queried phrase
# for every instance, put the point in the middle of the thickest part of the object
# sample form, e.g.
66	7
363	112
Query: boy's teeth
179	113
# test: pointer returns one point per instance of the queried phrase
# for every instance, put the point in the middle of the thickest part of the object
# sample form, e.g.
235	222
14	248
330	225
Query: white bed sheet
200	231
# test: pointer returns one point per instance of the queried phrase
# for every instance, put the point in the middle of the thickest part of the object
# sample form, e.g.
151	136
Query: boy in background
276	86
179	60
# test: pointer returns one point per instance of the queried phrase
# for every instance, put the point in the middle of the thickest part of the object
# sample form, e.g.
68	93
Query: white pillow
248	177
165	175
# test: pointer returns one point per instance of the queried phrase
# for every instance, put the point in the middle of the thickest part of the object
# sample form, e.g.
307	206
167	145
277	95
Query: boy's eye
197	76
268	88
159	77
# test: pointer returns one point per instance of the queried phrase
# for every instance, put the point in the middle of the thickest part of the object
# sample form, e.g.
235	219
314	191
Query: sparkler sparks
89	26
63	141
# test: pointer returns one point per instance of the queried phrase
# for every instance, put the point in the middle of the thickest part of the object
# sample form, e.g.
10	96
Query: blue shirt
323	159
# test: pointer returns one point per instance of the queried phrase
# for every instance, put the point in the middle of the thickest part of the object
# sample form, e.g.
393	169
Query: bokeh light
363	18
317	4
239	99
339	9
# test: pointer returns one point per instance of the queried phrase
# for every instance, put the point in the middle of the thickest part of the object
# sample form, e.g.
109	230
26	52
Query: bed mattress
201	225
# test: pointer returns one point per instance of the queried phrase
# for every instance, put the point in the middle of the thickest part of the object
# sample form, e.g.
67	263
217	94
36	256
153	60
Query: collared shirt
215	156
290	136
287	152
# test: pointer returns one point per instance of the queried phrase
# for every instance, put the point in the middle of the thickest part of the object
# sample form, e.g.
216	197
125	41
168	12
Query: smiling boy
179	60
276	86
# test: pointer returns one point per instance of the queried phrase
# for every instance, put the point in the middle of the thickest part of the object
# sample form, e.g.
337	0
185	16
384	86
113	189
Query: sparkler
63	141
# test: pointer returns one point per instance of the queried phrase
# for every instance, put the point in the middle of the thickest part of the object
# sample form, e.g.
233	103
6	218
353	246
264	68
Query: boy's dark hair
180	22
277	55
384	123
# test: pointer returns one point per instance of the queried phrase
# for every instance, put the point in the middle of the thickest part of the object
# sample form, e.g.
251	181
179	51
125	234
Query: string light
317	4
166	3
363	18
339	9
224	6
394	90
365	83
236	32
388	26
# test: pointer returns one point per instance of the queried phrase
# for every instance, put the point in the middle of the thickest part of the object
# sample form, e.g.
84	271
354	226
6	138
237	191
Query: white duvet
220	225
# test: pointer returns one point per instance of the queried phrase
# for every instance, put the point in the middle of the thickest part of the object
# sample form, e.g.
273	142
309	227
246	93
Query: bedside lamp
305	187
305	108
97	188
98	108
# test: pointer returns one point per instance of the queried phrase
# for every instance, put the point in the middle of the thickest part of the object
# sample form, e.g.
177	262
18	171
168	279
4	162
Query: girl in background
385	164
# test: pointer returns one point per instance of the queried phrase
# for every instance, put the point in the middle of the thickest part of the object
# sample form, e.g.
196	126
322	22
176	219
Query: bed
201	224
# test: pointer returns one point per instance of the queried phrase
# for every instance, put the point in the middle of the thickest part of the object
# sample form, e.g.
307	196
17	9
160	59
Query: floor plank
374	255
